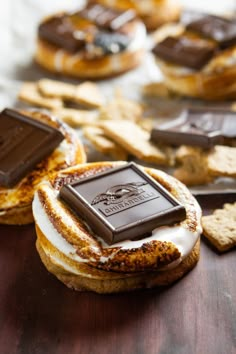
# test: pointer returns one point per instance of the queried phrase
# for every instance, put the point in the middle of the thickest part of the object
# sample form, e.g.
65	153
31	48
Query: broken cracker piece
121	108
220	227
193	169
103	144
156	89
135	140
147	123
75	117
221	161
87	93
29	93
52	88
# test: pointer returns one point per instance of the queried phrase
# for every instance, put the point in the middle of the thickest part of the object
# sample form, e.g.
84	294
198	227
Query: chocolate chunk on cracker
220	227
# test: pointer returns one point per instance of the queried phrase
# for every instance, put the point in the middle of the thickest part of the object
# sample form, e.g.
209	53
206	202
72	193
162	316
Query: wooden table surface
38	314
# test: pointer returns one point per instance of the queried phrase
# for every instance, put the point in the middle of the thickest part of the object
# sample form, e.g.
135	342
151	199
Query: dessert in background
33	146
153	13
95	42
197	56
220	227
111	226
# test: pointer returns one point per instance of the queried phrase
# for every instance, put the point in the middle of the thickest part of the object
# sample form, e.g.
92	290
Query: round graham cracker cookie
77	256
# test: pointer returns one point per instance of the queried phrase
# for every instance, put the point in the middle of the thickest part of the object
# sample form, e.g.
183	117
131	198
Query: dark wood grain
38	314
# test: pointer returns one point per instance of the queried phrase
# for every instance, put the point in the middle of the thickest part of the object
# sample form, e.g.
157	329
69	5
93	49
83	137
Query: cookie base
88	282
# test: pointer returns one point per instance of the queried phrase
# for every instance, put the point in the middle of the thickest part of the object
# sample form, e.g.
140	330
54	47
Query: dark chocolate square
222	30
61	32
185	51
106	17
23	143
122	203
198	127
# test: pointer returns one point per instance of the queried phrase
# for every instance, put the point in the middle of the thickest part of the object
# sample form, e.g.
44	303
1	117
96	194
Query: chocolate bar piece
184	51
197	127
106	17
222	30
61	32
122	203
23	143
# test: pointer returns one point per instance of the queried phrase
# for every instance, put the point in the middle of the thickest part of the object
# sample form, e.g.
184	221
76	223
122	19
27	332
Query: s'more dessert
33	146
114	226
95	42
153	13
197	56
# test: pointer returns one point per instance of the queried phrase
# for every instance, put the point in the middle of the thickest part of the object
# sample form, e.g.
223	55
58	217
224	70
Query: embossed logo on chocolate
124	196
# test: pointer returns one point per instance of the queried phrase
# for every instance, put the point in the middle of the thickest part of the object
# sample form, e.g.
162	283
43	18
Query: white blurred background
18	24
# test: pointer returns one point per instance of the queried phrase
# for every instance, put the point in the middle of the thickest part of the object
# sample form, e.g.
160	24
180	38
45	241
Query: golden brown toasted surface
151	255
68	153
86	278
74	66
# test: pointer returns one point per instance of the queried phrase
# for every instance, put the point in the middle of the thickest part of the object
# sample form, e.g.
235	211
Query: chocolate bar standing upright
23	143
122	203
198	127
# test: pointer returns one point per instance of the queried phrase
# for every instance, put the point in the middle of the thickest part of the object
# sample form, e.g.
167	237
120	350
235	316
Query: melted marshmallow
182	238
51	233
58	61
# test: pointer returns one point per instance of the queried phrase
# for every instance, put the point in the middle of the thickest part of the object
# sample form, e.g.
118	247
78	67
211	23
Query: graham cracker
29	93
135	140
221	161
147	123
76	117
95	135
121	108
193	169
220	227
87	93
156	89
